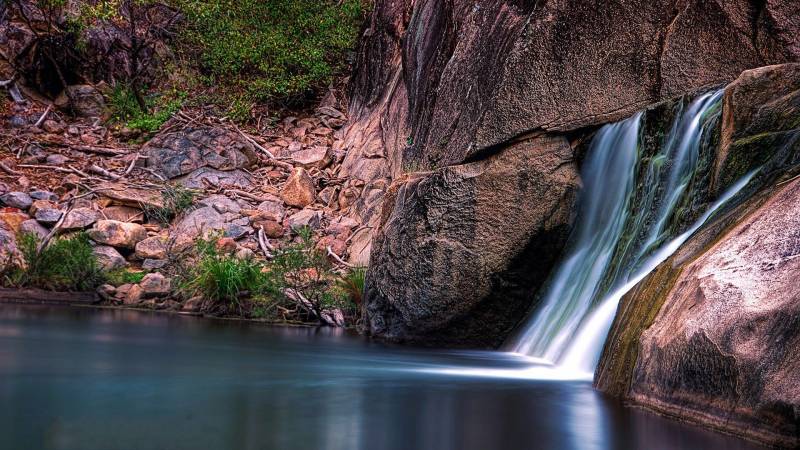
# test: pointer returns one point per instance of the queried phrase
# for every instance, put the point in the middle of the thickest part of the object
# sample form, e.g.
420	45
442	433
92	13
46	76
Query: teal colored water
105	379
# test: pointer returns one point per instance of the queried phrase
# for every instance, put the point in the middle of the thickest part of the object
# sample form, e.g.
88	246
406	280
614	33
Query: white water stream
624	230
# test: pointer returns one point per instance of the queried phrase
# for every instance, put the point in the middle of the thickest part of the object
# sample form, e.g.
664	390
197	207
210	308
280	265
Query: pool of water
75	378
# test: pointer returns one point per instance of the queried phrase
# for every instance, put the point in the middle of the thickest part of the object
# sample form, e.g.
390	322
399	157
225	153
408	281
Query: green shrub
65	264
123	276
125	109
268	50
176	199
352	284
222	278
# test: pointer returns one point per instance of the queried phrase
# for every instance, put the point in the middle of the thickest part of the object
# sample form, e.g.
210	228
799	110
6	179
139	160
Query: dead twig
106	151
94	168
9	170
43	117
264	244
338	259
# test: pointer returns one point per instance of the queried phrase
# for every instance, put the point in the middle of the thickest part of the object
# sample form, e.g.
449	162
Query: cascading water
621	233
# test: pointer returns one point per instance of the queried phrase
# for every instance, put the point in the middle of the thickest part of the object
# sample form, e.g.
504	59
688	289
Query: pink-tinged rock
299	189
155	285
154	247
80	218
117	234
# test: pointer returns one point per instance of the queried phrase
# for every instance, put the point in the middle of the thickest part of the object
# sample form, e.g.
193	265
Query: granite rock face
439	85
721	347
463	244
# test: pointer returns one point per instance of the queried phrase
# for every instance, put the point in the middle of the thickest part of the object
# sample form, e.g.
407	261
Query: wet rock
299	189
151	248
179	153
19	200
130	296
107	292
84	100
305	218
333	317
117	234
109	258
718	341
80	218
155	285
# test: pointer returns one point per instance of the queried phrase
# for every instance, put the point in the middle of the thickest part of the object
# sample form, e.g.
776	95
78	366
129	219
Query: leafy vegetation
273	50
123	276
159	108
176	199
353	284
223	278
65	264
297	284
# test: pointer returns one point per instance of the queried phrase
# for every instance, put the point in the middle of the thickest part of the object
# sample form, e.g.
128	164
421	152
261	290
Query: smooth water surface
109	379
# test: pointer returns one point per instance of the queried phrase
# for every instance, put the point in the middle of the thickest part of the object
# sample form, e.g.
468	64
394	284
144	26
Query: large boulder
462	249
177	153
713	335
761	124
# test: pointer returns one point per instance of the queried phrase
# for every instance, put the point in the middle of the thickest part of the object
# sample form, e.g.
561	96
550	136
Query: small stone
317	156
272	206
16	199
299	189
244	253
80	218
40	204
133	295
305	218
73	130
154	264
193	304
235	231
48	216
106	292
271	228
84	100
226	245
44	195
56	160
109	258
51	126
151	248
123	214
347	197
33	227
155	285
117	234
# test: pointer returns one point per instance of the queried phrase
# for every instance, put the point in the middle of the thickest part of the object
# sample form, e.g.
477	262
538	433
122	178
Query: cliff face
441	86
711	336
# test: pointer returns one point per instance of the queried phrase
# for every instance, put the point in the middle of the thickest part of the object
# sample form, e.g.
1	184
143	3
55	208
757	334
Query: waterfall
628	210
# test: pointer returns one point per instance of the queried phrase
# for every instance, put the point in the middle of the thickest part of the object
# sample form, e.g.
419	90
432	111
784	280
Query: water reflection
86	379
